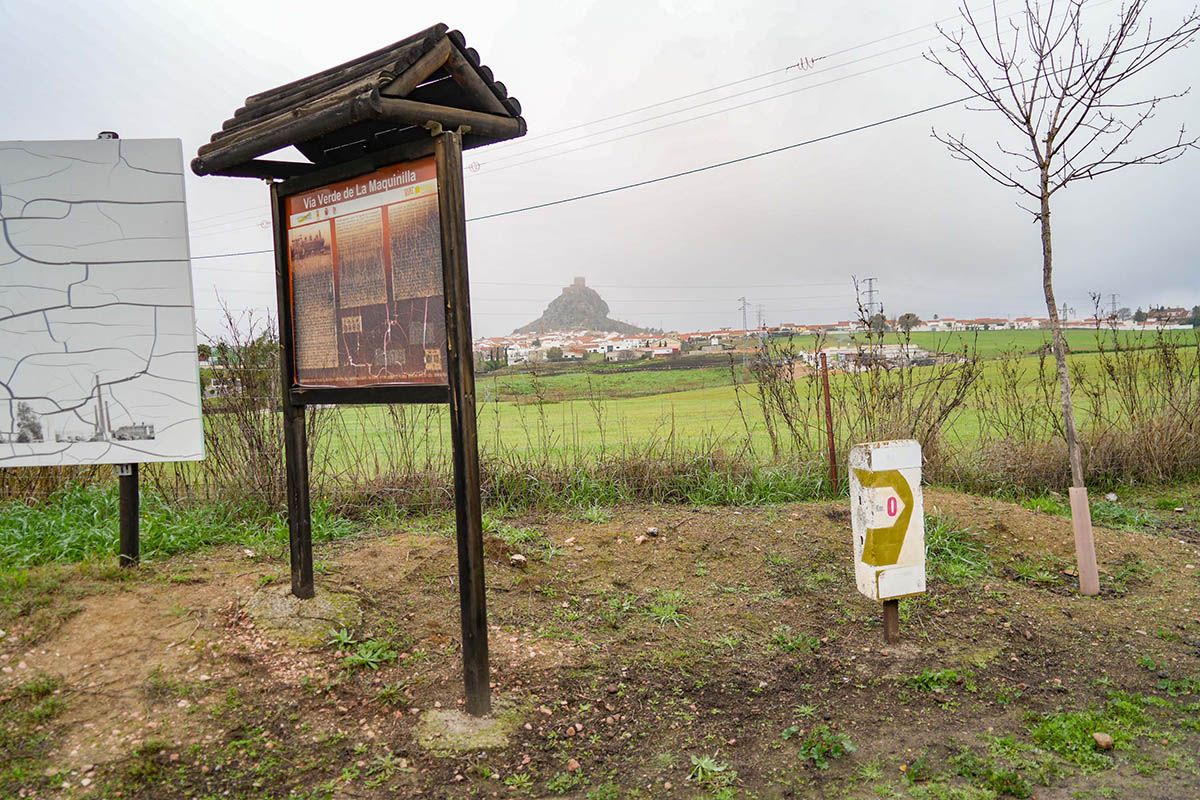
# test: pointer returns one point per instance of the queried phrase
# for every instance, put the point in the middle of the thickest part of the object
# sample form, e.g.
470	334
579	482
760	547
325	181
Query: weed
1130	571
953	553
392	694
563	782
342	639
777	561
710	773
918	770
604	791
786	640
371	654
521	781
1177	687
597	515
159	686
1043	572
985	774
617	608
1069	733
936	681
664	608
823	744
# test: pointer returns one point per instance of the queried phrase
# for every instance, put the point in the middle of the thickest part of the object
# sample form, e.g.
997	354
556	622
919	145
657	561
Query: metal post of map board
891	621
295	439
127	482
461	374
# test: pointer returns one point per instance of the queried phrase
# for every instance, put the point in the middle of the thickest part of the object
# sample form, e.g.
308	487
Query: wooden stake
463	433
891	621
1085	543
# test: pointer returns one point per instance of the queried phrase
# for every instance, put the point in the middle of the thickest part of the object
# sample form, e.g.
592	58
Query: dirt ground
725	654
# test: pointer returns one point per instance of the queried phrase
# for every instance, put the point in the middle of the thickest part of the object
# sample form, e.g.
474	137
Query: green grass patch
1069	733
954	553
82	521
24	738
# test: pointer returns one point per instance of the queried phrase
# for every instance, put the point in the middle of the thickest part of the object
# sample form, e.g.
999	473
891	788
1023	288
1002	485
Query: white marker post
888	519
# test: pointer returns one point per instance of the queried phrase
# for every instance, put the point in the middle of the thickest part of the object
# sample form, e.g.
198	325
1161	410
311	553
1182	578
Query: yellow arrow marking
882	547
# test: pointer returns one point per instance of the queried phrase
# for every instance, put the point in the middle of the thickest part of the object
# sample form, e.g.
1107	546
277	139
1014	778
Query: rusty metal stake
833	470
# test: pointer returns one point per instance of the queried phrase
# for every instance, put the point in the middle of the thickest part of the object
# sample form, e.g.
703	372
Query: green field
648	408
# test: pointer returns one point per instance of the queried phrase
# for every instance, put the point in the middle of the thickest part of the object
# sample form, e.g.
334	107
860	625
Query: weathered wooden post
371	260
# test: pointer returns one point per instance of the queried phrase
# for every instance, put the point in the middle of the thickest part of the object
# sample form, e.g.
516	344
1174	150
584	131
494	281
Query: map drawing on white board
97	326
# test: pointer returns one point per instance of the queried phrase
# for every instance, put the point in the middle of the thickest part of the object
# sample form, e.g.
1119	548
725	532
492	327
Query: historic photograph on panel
368	304
97	329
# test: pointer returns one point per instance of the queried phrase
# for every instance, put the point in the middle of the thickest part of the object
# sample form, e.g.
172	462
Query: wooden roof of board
383	100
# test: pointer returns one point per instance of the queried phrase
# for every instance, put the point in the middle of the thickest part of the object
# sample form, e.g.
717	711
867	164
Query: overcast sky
787	231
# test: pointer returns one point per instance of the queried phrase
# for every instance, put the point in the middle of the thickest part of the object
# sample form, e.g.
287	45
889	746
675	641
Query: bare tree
1062	90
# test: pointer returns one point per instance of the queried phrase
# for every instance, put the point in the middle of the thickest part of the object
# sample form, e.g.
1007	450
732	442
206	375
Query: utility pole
1113	299
871	292
745	306
762	317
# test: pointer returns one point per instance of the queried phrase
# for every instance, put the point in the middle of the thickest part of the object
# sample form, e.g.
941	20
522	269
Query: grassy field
661	410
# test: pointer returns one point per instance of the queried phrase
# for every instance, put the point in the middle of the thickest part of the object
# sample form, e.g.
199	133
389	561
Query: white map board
97	327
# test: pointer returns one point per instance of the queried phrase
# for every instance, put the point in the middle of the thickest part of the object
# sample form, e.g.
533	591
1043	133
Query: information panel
368	301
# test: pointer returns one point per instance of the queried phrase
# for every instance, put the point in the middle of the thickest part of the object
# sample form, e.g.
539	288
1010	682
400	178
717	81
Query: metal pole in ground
833	470
127	482
891	621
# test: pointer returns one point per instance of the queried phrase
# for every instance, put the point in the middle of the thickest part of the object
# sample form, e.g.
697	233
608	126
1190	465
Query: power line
697	170
700	116
673	175
738	82
729	162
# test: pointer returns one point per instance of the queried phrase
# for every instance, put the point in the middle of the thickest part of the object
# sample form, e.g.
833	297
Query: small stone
85	782
667	785
1111	497
570	731
570	540
652	531
1179	510
528	726
572	766
1103	740
518	560
639	539
611	688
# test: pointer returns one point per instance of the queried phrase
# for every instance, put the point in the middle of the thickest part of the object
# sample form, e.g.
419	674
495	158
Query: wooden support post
891	621
461	373
127	482
1085	543
295	439
833	470
295	443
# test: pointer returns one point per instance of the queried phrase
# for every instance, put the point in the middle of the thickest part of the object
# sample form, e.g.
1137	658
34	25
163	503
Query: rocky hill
578	308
